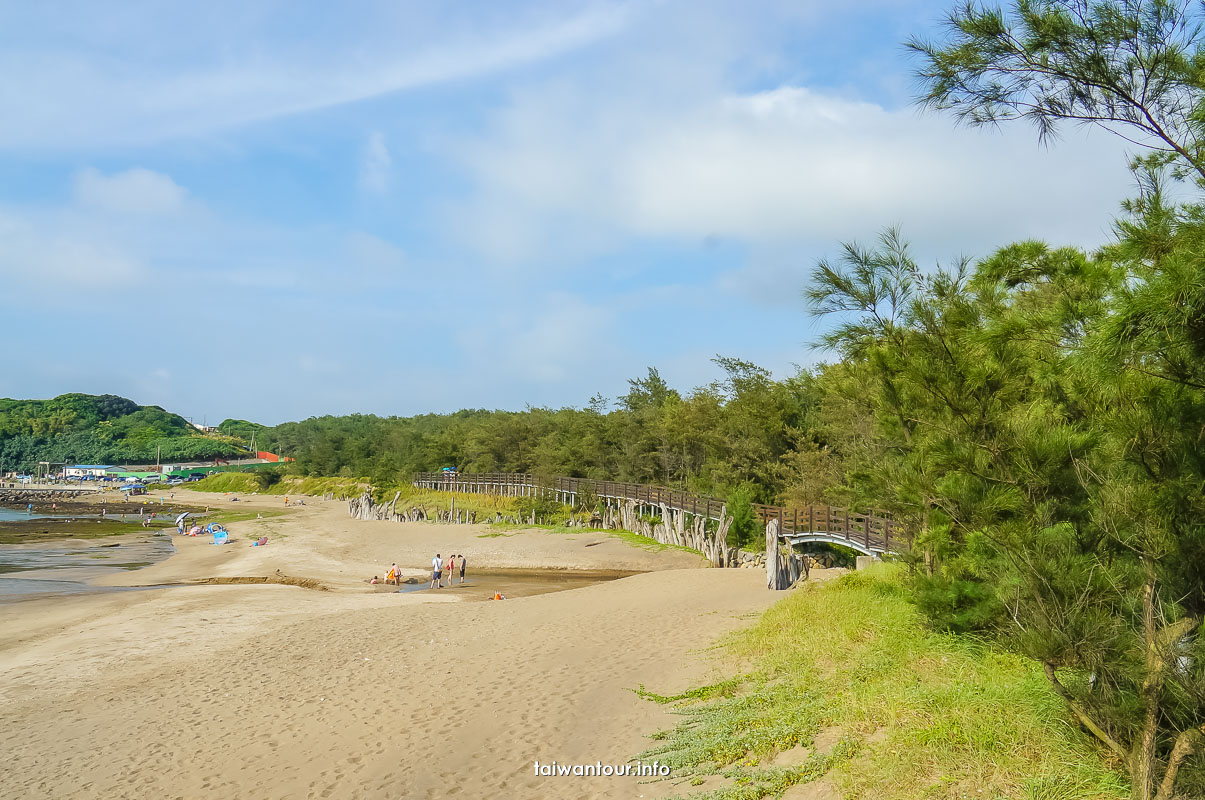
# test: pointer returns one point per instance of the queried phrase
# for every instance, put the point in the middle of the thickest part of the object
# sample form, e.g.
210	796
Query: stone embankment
14	496
758	561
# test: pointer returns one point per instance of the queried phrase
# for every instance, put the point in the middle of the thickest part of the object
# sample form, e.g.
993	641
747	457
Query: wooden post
772	555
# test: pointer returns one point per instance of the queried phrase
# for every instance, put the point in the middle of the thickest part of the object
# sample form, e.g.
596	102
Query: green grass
246	483
486	505
225	517
917	714
628	537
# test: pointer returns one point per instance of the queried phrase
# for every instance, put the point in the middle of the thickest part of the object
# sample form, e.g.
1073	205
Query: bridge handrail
867	530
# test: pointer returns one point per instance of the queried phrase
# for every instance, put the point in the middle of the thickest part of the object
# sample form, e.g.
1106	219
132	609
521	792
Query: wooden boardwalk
869	534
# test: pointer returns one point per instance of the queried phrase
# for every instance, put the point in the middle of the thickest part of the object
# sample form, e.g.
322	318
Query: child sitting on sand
374	580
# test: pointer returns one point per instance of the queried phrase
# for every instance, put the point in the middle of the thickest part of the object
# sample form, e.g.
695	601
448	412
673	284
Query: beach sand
270	691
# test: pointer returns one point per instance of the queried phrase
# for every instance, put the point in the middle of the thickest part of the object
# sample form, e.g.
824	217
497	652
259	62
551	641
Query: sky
271	210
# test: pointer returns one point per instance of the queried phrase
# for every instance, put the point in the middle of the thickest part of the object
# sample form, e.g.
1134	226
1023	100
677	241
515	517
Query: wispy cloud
135	191
375	164
80	95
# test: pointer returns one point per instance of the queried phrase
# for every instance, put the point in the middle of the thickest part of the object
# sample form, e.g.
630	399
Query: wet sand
273	691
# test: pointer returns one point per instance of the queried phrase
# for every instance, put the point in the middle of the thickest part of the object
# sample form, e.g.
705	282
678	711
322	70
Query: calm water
511	583
27	571
11	514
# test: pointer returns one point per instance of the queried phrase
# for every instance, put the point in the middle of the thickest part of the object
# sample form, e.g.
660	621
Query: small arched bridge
867	533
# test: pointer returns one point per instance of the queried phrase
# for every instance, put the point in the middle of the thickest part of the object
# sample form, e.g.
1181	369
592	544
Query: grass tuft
722	689
918	714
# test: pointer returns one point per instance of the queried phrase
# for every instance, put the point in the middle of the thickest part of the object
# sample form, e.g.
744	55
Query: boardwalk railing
868	533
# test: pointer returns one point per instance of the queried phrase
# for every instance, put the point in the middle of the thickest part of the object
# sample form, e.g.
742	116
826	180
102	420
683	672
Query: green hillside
100	429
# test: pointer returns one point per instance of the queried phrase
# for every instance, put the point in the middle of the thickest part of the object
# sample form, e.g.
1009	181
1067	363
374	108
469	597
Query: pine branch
1078	710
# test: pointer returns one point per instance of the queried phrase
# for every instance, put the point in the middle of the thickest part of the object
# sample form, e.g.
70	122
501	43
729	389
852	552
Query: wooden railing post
876	531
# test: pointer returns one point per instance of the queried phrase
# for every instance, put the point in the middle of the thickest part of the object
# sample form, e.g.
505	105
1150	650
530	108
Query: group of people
441	571
439	567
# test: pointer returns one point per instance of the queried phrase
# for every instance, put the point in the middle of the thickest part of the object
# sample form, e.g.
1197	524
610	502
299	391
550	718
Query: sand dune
281	692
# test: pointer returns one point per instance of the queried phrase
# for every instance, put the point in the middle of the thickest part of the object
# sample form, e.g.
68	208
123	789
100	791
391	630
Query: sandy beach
275	691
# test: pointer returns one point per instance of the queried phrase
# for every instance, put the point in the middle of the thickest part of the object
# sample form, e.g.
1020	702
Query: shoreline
190	690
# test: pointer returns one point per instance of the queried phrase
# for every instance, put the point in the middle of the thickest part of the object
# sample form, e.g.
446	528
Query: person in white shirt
437	566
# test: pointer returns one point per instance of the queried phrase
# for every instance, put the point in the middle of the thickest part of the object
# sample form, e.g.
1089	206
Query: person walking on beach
461	567
436	571
394	577
448	567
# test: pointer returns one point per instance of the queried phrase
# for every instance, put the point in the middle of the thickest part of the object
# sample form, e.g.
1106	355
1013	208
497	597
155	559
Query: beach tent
220	534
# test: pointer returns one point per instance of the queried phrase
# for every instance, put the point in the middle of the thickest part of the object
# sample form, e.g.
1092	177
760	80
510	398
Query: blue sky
273	210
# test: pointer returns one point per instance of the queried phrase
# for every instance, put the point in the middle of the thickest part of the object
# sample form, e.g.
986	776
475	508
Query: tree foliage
103	429
1038	414
1133	67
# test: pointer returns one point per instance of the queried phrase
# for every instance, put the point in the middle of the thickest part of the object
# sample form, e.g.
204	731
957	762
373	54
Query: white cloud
561	175
135	191
375	164
53	252
545	338
117	236
374	258
193	71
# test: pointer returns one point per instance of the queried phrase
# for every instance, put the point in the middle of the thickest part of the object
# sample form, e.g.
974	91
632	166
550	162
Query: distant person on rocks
436	571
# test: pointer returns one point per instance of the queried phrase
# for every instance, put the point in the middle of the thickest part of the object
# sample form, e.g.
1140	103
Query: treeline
742	434
100	429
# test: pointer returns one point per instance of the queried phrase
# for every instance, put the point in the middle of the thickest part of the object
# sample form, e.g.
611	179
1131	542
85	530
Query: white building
85	471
